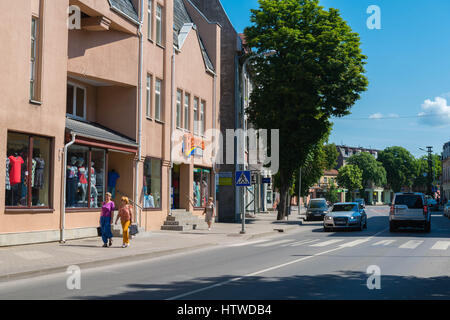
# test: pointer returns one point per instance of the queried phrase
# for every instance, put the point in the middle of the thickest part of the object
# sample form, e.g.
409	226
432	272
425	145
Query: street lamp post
244	126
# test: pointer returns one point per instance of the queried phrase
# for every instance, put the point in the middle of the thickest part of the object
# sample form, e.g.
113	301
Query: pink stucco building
90	101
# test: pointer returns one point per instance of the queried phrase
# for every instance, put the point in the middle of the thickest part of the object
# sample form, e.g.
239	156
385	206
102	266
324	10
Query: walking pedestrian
209	212
106	218
126	218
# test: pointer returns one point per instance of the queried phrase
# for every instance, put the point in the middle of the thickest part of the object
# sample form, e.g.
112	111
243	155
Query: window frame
105	180
159	23
196	107
29	206
179	109
34	56
202	117
148	105
150	20
158	100
186	111
74	102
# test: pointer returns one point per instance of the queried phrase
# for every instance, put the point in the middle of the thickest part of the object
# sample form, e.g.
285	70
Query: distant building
346	152
372	194
446	171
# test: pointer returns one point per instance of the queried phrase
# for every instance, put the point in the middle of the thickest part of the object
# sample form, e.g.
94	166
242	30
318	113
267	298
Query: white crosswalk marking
354	243
326	243
384	243
412	244
247	243
299	243
274	243
441	245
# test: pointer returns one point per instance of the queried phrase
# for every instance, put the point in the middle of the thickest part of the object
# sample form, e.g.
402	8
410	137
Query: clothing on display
149	201
38	174
15	174
113	176
72	182
8	183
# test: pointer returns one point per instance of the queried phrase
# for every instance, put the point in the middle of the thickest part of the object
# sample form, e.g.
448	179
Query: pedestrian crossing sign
243	179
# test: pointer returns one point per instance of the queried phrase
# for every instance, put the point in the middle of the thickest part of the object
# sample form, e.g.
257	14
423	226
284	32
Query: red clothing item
15	175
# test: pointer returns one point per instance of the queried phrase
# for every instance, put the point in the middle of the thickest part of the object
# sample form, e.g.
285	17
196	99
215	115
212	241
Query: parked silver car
345	215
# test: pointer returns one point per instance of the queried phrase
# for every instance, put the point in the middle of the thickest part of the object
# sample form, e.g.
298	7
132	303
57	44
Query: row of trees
394	169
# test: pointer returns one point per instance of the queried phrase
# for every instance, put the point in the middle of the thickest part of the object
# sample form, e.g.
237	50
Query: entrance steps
182	220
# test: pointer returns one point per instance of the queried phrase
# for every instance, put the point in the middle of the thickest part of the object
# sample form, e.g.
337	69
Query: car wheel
361	226
392	227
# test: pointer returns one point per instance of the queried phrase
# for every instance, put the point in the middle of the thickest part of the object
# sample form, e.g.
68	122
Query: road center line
264	270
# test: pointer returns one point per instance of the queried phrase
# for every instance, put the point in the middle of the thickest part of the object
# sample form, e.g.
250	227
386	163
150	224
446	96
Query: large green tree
350	177
421	181
317	73
372	170
400	166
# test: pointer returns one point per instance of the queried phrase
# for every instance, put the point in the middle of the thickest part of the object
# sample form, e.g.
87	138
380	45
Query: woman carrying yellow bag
126	218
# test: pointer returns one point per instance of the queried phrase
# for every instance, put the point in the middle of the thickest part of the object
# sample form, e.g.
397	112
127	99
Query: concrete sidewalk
40	259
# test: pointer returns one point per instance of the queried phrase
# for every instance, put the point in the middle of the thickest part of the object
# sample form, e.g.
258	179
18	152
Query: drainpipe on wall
172	126
141	54
63	196
215	144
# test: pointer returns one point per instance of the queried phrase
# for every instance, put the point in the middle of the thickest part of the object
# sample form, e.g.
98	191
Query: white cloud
376	116
381	116
435	113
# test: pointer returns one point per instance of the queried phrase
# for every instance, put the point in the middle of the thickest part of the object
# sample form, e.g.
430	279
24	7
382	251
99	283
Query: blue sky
408	68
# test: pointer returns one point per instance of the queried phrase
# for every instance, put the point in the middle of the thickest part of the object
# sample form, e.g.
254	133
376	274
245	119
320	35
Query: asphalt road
308	264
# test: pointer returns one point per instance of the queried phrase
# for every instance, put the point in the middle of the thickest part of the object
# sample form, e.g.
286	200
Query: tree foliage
317	73
350	177
421	176
400	166
373	172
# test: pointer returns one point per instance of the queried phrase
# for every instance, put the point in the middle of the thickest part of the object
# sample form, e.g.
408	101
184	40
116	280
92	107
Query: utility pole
430	171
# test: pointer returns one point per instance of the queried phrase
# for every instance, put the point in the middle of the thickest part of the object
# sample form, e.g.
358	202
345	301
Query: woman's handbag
133	230
99	231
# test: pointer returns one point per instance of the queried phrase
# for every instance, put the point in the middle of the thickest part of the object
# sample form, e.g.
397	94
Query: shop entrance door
176	187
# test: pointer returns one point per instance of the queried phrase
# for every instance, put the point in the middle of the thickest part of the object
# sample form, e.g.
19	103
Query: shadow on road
312	287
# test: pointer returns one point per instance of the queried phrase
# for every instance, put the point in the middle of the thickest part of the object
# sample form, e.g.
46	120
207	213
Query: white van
409	210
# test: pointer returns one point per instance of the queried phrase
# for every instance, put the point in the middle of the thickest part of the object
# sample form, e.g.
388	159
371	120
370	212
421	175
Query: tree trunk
282	208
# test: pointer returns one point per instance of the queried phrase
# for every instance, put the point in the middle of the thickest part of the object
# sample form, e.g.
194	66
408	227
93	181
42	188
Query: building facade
93	107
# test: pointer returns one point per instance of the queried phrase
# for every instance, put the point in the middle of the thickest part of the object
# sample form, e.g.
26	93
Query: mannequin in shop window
38	172
82	180
197	196
204	192
24	179
94	192
113	176
72	182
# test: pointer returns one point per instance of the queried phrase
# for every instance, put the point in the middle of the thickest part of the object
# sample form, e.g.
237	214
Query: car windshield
317	204
345	207
409	200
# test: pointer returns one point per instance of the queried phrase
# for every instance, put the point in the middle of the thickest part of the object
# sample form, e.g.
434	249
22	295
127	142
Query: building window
85	177
76	101
186	111
149	97
202	178
152	183
150	20
158	85
159	25
202	118
196	119
34	56
28	166
179	96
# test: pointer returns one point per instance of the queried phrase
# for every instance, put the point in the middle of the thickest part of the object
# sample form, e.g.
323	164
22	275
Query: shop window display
202	178
152	183
27	171
85	177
